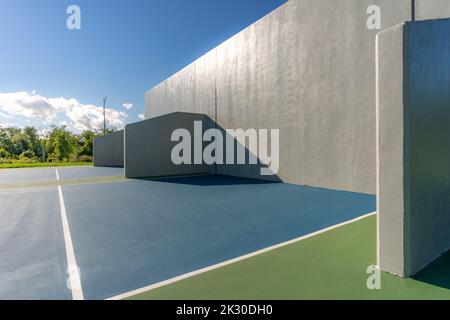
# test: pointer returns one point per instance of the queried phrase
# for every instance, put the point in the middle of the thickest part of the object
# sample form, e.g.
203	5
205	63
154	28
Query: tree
4	154
32	138
85	143
16	141
27	155
5	139
20	143
61	144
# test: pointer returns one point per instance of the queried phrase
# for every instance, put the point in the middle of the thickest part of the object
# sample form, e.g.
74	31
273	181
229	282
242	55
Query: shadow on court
438	273
213	180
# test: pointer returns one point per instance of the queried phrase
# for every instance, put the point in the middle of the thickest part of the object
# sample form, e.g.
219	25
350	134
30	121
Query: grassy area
42	164
328	266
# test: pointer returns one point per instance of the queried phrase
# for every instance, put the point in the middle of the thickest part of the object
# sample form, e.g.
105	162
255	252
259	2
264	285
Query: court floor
331	265
129	235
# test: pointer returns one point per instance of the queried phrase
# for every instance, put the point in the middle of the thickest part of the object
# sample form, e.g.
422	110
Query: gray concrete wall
148	146
307	69
108	150
414	145
432	9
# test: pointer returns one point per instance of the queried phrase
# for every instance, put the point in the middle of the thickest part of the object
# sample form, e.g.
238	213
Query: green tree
33	142
19	142
5	139
62	144
85	143
27	155
4	154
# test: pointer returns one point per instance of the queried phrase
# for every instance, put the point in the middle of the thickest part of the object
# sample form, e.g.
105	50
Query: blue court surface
33	261
69	173
8	176
136	233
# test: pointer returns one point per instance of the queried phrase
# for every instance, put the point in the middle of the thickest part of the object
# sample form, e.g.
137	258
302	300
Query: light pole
104	115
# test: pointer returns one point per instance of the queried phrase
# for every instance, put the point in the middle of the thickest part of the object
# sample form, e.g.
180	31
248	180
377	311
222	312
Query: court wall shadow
437	273
213	180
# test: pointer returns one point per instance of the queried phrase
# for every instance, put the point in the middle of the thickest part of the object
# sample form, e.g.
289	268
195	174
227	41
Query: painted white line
228	262
72	270
57	174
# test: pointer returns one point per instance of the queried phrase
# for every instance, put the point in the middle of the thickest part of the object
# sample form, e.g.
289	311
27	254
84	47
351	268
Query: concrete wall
390	142
148	146
307	69
414	145
432	9
108	150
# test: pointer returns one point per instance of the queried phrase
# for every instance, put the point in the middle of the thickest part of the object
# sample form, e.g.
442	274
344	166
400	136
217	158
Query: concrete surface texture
148	146
307	69
432	9
109	150
414	145
390	135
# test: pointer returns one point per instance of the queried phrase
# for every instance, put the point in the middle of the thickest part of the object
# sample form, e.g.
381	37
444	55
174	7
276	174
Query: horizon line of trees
58	145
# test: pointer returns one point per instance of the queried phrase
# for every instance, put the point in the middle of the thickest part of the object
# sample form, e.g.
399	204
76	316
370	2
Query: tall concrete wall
307	69
148	146
413	145
108	150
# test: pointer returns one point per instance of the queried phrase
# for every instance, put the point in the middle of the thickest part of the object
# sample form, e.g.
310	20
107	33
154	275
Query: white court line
72	267
228	262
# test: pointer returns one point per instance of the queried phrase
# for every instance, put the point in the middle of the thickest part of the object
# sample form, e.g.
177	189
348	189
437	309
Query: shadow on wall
254	166
151	144
438	273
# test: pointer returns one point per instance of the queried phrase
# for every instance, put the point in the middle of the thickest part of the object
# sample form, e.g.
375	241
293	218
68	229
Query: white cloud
128	105
4	115
50	110
141	116
10	125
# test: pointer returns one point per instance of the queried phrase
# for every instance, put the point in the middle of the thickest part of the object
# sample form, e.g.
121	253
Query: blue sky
52	75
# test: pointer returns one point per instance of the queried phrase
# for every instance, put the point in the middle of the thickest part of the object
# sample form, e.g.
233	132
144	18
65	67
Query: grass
329	266
42	164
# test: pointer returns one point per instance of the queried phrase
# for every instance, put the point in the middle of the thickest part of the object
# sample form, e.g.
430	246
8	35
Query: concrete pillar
413	145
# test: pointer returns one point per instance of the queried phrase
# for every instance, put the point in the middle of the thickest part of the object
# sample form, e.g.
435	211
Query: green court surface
331	265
